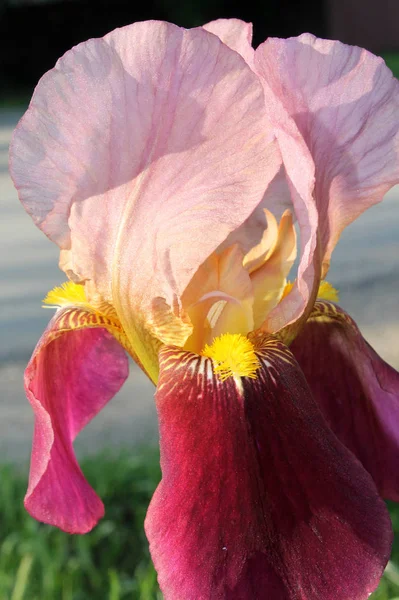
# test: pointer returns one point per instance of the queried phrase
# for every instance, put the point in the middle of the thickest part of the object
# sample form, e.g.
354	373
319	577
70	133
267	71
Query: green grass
38	562
389	586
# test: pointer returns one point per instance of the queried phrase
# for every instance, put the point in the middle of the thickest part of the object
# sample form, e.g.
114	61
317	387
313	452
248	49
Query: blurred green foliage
392	60
39	562
389	586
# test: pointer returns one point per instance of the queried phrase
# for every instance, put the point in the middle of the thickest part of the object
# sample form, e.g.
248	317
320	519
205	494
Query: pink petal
277	200
356	390
258	498
221	278
298	175
133	146
236	34
345	103
269	280
70	377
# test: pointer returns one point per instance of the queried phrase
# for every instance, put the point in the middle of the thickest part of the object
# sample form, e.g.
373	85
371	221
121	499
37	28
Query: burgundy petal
70	377
258	499
356	390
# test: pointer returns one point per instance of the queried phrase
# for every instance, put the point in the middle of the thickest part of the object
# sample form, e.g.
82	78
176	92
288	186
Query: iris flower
172	168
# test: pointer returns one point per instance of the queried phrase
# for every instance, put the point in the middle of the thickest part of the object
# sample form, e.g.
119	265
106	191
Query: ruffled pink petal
356	390
298	177
68	380
278	197
236	34
258	498
277	200
133	147
345	103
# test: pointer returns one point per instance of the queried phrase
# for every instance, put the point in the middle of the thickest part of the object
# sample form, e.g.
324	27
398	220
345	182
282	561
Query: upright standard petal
132	147
258	498
269	279
345	103
356	390
292	190
236	34
74	371
298	175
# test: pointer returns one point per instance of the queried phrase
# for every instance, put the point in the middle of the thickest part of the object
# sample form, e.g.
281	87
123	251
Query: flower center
237	286
233	355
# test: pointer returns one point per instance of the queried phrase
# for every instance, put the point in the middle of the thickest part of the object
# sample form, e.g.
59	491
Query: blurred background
34	33
37	562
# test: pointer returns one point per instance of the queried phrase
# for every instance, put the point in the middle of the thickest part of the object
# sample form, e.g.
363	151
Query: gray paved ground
365	268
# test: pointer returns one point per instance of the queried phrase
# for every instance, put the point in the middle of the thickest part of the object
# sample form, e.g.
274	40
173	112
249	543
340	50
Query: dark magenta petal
259	499
68	380
356	390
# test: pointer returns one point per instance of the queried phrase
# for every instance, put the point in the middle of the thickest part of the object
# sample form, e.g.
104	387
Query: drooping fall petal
258	498
356	390
72	374
132	147
345	103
